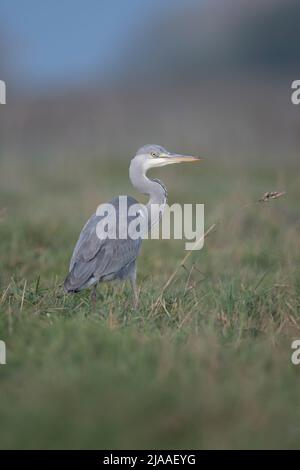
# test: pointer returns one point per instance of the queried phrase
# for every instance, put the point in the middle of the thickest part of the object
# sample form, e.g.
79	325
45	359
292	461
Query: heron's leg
134	288
94	295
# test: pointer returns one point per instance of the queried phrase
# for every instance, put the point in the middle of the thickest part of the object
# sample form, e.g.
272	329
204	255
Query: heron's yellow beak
177	158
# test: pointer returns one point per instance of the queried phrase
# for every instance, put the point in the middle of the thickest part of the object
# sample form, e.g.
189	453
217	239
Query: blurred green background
87	84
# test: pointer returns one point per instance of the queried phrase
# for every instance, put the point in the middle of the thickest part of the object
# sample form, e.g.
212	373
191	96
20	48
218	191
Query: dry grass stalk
271	195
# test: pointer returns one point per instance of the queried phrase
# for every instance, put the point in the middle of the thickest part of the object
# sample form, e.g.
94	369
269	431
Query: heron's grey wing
121	254
88	243
90	251
95	258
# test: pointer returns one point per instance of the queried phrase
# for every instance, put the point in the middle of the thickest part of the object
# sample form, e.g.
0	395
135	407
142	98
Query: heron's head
151	156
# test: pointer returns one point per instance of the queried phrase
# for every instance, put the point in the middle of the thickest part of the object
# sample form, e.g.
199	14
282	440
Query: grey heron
96	259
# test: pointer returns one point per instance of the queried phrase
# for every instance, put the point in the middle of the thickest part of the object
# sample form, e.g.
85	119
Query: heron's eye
154	154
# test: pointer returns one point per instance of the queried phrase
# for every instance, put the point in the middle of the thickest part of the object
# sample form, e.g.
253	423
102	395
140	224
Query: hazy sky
55	40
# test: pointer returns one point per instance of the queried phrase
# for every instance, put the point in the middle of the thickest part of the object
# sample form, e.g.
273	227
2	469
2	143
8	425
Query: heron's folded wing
88	243
84	259
84	271
121	253
96	257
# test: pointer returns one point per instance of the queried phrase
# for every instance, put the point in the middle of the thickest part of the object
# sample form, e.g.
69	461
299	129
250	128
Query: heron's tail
71	287
68	288
80	277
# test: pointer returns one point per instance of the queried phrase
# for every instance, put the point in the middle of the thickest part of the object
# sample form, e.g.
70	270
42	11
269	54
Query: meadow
210	367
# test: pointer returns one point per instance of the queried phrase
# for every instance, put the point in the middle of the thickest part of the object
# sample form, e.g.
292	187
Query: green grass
210	368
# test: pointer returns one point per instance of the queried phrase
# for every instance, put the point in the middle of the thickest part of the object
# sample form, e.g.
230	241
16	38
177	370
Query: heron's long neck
154	189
